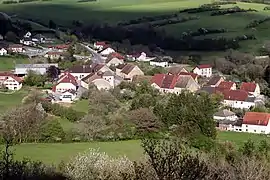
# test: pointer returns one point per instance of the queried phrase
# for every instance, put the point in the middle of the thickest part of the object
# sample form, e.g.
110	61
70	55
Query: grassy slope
8	63
111	11
54	153
10	100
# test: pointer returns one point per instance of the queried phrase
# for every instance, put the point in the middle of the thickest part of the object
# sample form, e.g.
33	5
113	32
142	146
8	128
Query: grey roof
35	65
183	82
224	113
108	73
250	99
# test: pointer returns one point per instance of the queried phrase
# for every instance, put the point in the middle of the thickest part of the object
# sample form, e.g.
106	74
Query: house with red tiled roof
238	99
128	71
10	81
65	83
256	122
99	45
251	88
227	85
167	83
204	70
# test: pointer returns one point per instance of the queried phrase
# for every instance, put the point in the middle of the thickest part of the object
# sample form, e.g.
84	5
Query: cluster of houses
72	82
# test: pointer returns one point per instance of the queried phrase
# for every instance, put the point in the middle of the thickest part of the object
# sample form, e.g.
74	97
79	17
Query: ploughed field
63	12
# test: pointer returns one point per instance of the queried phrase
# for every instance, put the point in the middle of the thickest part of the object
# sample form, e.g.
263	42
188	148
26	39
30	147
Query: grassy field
8	63
63	12
55	153
81	106
10	100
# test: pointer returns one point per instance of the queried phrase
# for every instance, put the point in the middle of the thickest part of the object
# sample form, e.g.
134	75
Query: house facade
225	114
203	70
101	80
68	96
159	63
12	82
256	122
238	99
16	48
99	45
128	71
3	52
114	61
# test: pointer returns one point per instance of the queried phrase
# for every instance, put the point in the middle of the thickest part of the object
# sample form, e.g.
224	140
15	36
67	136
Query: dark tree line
149	35
235	9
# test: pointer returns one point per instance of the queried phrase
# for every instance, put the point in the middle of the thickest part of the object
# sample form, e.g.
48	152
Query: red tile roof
248	86
100	43
66	78
193	75
54	53
165	80
235	95
256	118
16	78
116	55
226	85
203	66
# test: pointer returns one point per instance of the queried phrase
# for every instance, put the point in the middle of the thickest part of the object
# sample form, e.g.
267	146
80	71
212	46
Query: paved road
97	58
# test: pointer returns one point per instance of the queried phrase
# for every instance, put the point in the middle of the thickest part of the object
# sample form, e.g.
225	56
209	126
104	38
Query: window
246	125
247	130
262	131
254	130
240	129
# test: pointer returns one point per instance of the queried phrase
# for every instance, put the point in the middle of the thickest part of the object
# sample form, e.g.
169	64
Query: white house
256	122
158	62
3	52
143	57
203	70
225	114
107	51
66	83
27	42
238	99
251	87
27	35
68	96
12	82
101	80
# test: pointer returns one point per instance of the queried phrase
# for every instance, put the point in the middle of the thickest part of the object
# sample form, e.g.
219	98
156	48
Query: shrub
86	1
266	8
51	131
235	9
9	2
93	164
256	23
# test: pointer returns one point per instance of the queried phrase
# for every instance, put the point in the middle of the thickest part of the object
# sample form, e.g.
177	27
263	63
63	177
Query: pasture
57	152
9	100
8	63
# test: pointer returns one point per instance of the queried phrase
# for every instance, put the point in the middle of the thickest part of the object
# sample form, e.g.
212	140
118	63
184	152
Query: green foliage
155	70
51	130
64	112
190	113
143	101
248	148
34	79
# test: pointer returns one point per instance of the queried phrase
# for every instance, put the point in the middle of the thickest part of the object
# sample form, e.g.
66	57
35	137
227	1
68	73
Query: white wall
107	51
12	84
65	99
110	79
238	104
256	129
62	87
3	52
206	72
102	84
161	64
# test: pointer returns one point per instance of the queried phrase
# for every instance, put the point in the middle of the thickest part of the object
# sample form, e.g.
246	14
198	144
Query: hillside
64	12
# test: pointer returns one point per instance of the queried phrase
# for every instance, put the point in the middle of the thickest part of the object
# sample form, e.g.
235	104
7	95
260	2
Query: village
108	68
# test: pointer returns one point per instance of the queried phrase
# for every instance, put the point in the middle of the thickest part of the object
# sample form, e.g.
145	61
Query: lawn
63	12
8	63
10	100
81	106
55	153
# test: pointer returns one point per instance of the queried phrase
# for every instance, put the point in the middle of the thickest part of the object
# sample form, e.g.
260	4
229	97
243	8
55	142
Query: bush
86	1
51	131
93	164
235	9
266	8
9	2
58	110
256	23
